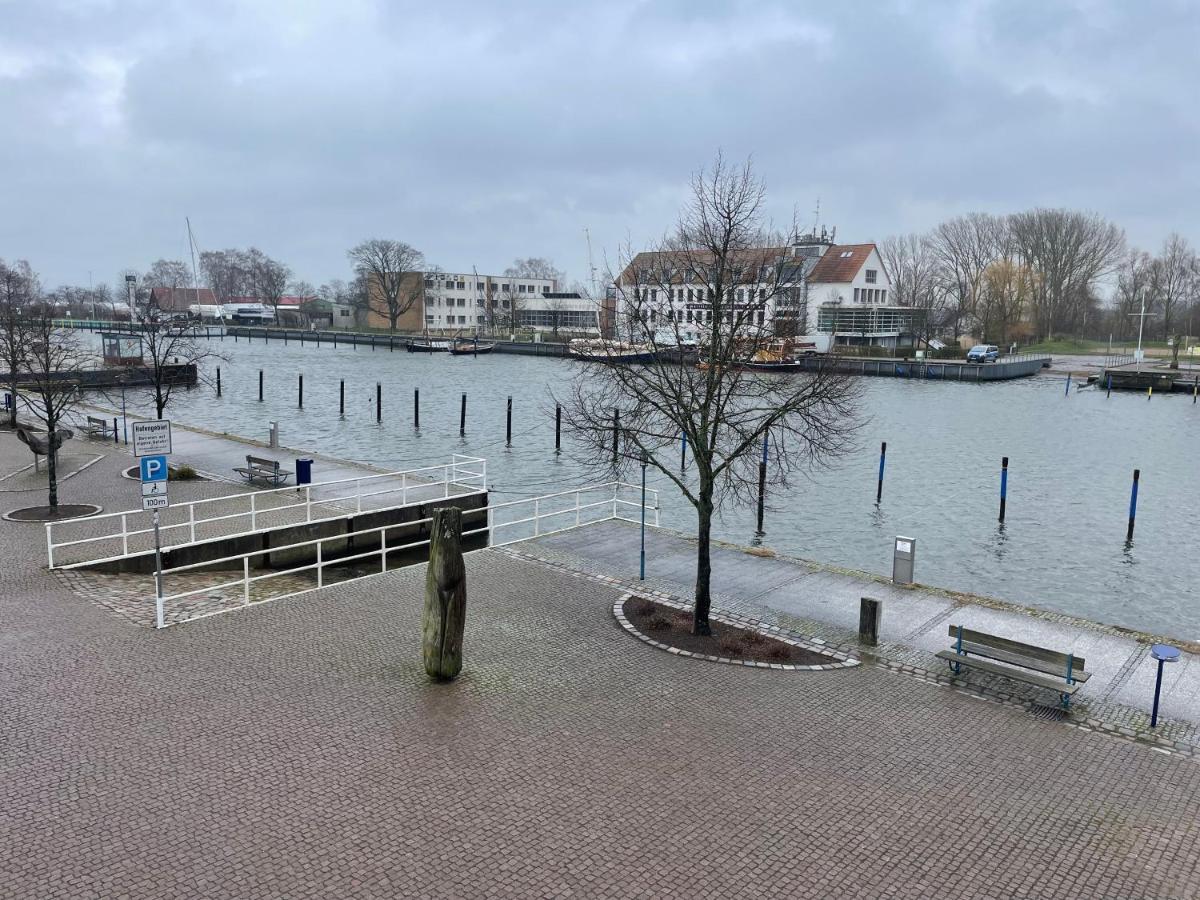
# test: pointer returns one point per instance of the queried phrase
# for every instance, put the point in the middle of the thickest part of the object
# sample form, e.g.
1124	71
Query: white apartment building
486	303
807	287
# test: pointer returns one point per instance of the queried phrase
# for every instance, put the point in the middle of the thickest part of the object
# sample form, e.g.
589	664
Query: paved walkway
297	750
825	601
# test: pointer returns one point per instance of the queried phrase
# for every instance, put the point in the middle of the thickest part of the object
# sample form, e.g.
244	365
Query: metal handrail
451	473
245	579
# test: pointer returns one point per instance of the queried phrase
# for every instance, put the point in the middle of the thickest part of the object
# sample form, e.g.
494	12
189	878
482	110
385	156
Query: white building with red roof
810	286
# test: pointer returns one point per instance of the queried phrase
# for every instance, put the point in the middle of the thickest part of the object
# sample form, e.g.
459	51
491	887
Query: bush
185	473
779	653
657	623
732	646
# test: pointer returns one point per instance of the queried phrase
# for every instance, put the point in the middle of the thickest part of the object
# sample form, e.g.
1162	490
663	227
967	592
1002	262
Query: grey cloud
481	132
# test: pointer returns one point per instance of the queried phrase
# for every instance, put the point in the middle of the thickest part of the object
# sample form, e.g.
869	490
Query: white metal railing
568	509
186	521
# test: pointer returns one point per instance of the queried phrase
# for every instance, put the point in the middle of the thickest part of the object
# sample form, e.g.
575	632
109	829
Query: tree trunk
52	466
704	513
445	596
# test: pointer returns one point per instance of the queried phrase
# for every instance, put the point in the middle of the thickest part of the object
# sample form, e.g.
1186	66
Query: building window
654	294
708	317
762	293
689	317
846	254
689	293
760	317
479	285
428	282
871	273
653	316
429	320
479	320
504	287
883	296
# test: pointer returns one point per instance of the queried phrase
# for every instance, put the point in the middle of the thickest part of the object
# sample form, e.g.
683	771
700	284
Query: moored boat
606	351
465	347
428	346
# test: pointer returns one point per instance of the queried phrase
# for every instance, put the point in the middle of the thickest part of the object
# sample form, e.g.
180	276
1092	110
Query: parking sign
153	468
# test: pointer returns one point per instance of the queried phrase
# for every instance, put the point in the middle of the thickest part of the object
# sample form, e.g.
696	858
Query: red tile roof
837	268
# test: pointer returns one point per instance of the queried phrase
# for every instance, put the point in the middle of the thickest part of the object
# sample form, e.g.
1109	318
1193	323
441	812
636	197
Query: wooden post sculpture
445	597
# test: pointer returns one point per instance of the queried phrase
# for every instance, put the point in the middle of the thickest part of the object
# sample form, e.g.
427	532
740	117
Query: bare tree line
1041	274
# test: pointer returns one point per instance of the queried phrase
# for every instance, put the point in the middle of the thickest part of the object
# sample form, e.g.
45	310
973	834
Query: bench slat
1027	650
1016	659
1051	684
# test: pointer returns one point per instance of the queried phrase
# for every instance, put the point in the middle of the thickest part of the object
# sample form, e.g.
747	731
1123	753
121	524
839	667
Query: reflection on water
1070	462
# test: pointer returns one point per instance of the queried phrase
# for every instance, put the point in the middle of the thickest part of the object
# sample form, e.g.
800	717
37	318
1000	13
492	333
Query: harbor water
1071	459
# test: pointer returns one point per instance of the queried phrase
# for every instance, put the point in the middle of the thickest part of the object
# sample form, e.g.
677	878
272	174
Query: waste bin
304	471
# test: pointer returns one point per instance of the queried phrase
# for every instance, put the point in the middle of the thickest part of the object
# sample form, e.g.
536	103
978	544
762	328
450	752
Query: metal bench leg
1066	701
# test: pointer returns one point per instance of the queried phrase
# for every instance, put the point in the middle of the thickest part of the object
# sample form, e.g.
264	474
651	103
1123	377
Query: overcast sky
482	131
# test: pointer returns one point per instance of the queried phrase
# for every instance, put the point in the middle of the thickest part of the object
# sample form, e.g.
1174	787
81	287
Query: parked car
983	353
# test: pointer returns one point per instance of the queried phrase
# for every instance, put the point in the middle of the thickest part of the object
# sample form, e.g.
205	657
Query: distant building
809	286
471	303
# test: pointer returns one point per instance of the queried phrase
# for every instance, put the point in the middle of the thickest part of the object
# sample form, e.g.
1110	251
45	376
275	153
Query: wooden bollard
218	381
508	425
557	428
416	408
462	416
870	612
342	397
762	484
444	615
378	403
260	385
300	393
116	438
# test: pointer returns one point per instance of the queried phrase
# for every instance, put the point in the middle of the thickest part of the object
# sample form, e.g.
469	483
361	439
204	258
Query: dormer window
871	273
846	254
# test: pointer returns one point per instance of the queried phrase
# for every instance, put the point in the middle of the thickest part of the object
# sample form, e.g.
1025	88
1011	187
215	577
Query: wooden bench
1062	673
99	428
263	469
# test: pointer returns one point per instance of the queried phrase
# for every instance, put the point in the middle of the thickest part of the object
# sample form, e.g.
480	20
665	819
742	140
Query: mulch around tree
673	627
134	473
52	514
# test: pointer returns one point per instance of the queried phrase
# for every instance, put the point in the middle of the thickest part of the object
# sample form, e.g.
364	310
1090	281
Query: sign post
152	443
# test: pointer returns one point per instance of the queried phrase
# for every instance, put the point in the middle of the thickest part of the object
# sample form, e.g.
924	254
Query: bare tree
54	361
168	273
167	353
268	278
717	252
1133	284
392	271
912	266
537	267
1067	251
226	272
1173	280
964	248
18	286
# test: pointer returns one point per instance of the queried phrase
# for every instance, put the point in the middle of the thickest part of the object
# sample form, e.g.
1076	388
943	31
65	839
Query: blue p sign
154	468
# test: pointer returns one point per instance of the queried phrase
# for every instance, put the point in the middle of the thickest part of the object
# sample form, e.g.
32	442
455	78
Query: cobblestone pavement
296	749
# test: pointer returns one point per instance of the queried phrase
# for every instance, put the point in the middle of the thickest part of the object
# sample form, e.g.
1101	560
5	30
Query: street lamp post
122	379
642	565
